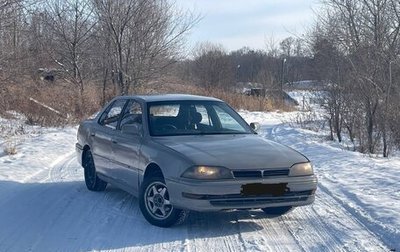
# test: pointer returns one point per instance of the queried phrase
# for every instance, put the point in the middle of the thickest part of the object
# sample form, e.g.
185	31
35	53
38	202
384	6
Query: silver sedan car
182	152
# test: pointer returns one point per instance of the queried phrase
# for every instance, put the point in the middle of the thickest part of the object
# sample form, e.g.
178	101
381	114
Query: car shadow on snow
66	216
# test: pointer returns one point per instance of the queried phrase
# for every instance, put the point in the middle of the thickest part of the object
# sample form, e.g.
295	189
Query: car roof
169	97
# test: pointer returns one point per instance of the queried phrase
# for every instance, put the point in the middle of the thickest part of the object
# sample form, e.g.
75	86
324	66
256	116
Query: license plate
257	189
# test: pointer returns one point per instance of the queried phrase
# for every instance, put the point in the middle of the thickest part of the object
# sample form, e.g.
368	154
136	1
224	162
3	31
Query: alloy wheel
156	200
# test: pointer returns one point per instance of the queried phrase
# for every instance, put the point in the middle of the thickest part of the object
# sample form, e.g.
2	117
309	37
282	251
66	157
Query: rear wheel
155	204
273	212
93	182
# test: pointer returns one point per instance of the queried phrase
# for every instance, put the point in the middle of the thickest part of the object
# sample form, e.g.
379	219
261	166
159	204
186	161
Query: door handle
92	134
114	141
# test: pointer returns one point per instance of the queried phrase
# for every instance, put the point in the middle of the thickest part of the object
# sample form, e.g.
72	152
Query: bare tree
12	22
71	24
146	36
367	35
212	67
249	63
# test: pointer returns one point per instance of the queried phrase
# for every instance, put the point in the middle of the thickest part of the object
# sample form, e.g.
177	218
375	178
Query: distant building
258	90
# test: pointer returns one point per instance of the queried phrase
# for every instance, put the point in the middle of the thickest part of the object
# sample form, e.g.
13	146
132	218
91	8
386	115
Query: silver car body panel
122	160
242	151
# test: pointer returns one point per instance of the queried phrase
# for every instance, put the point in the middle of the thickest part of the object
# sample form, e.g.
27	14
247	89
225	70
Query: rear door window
132	114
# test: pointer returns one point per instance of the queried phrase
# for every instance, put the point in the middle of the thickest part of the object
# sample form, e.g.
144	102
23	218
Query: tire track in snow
324	194
213	231
46	173
65	168
361	217
331	227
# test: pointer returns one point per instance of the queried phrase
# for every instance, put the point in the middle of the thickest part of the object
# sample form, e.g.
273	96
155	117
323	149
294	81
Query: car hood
236	152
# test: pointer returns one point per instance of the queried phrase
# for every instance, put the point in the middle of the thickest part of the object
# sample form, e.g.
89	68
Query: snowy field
45	206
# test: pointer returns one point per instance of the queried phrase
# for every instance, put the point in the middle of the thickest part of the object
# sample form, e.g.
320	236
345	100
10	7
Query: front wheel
273	212
155	204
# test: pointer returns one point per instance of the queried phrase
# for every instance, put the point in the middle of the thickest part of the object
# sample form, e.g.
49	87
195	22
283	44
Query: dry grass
72	108
236	100
10	150
61	98
10	147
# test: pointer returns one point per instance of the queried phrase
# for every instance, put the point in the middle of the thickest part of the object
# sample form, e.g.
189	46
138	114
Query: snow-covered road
45	206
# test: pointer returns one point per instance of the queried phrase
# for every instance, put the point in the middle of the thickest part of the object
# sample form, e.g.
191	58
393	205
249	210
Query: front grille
247	174
250	201
273	173
240	200
260	173
296	194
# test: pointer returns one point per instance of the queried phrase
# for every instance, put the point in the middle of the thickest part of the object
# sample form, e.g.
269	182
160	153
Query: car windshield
194	118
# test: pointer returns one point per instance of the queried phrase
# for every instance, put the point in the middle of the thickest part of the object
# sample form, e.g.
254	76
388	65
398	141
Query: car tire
273	212
92	181
155	206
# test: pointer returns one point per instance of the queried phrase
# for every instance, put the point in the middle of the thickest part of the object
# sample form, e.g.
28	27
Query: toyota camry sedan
178	153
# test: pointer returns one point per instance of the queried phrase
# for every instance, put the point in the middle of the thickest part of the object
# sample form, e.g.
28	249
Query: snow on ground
46	207
14	130
366	187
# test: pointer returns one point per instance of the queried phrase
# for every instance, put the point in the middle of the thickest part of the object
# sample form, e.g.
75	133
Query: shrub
10	147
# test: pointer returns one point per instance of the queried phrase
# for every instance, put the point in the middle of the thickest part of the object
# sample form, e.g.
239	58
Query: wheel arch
85	149
152	169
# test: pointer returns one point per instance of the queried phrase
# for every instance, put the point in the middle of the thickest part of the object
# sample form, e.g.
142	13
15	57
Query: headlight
207	172
301	169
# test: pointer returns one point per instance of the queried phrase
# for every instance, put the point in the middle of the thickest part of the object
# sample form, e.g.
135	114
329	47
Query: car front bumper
223	195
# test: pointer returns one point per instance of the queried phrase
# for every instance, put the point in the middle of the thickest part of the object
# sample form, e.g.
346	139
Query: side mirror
255	126
131	129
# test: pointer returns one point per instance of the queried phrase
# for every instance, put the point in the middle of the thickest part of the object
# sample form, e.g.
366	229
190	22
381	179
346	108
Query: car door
126	149
102	136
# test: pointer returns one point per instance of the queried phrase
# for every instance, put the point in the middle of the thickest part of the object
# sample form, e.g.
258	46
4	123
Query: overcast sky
238	23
